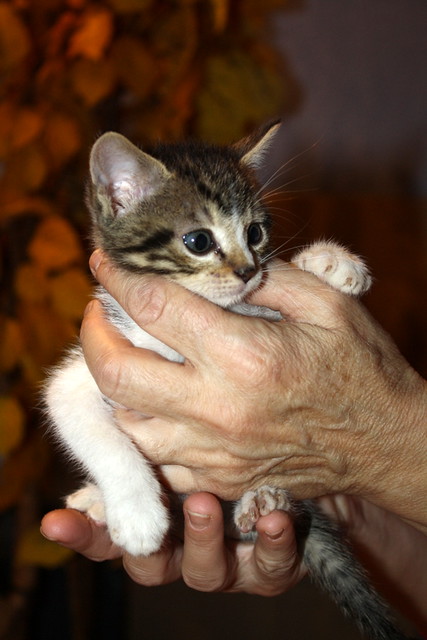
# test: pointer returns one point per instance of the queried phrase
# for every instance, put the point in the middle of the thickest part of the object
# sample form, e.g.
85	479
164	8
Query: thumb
164	309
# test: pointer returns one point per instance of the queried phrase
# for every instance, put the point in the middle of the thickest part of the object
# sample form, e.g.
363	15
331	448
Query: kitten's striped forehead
214	173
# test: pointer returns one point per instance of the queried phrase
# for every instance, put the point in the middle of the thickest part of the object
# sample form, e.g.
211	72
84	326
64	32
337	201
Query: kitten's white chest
143	340
133	332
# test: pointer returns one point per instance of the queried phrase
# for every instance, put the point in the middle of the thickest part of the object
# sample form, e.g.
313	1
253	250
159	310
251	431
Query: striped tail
332	566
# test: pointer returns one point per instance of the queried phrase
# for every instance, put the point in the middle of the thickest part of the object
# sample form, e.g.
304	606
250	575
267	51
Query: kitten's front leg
336	266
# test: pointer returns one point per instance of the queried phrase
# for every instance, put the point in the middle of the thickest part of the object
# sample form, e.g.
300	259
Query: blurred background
349	81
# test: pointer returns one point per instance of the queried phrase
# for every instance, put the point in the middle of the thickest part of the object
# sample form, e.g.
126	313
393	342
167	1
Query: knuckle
205	582
109	373
145	301
254	363
270	567
276	576
141	574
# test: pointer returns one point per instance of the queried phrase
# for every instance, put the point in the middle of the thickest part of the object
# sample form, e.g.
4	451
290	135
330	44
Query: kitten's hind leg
89	500
257	503
336	266
83	421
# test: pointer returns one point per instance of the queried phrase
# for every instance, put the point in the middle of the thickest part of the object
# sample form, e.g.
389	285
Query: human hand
321	402
205	561
270	566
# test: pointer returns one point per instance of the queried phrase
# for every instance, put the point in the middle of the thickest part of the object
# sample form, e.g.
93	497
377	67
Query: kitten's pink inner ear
126	173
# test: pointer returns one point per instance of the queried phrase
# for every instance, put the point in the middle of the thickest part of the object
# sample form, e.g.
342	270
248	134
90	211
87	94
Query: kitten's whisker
274	252
287	166
279	249
284	189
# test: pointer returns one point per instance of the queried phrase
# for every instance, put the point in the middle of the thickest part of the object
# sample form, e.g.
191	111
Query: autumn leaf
175	40
47	333
27	204
12	421
70	293
18	127
25	170
62	138
130	6
220	14
55	244
135	66
93	81
238	93
76	4
12	344
93	35
15	42
31	283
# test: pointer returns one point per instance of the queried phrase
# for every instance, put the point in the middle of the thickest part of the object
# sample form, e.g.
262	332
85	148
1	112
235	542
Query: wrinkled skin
320	403
205	561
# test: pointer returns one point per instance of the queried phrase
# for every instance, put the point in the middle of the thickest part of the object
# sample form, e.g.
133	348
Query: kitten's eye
254	233
199	241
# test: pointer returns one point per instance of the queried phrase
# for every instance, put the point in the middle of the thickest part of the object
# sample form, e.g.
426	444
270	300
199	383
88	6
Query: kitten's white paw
137	526
259	502
336	266
89	500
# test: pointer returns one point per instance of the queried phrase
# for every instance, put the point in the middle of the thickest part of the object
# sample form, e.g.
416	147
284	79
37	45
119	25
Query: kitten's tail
334	569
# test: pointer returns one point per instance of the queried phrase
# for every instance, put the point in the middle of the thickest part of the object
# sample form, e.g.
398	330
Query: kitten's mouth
233	293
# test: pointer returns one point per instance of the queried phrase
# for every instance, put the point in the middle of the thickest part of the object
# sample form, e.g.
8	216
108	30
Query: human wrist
394	473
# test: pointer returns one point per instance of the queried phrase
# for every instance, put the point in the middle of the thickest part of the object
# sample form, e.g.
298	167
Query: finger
277	565
164	309
299	296
127	374
205	563
75	531
160	568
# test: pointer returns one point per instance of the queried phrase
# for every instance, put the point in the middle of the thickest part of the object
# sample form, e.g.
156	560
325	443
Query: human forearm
398	482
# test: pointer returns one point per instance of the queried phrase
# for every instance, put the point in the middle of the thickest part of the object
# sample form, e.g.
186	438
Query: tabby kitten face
189	212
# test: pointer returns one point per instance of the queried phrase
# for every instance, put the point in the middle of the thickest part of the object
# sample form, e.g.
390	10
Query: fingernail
198	521
94	261
50	538
274	535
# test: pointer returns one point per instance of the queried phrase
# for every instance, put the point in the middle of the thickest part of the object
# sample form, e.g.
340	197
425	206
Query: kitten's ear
123	173
254	147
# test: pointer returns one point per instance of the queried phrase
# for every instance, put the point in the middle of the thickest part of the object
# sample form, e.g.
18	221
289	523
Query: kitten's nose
246	273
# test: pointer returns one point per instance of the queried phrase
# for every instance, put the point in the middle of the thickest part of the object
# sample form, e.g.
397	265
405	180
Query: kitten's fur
191	213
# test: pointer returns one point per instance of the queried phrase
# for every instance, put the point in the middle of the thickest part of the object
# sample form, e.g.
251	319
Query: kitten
191	212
